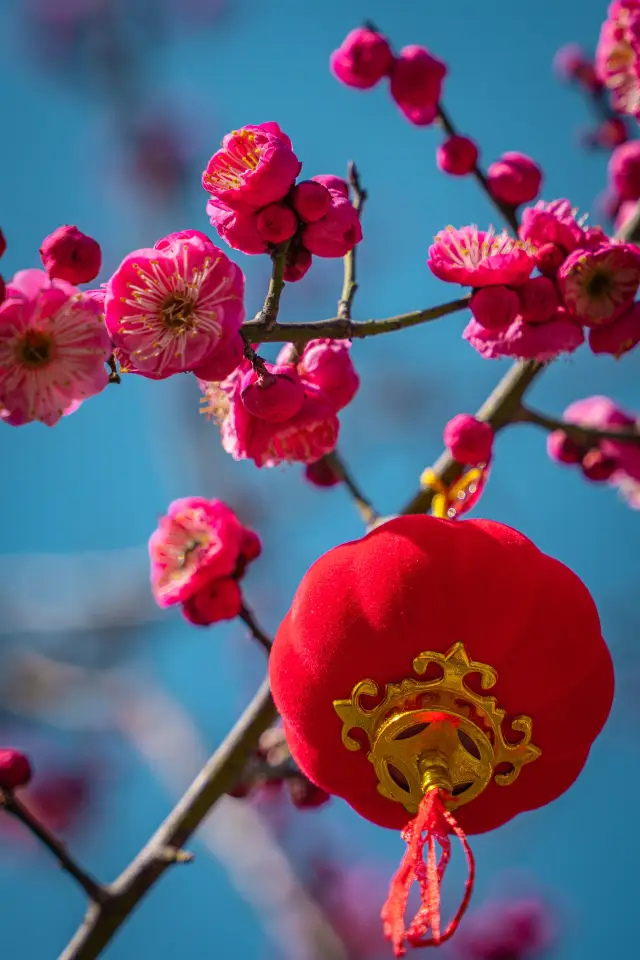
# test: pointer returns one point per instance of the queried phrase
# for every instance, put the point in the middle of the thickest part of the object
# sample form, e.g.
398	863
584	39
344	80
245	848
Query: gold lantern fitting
437	733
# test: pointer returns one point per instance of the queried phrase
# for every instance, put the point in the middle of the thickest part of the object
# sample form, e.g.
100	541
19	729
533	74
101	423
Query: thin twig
626	434
10	803
341	328
220	774
269	313
247	615
498	410
114	376
364	506
350	285
506	212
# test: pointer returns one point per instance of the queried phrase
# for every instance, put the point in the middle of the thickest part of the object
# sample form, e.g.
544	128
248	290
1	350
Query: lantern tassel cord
433	825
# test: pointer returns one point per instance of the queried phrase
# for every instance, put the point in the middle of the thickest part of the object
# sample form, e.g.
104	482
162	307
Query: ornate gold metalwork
412	751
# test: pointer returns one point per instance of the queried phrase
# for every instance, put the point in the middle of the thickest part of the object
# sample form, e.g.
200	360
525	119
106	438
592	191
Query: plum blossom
468	440
300	423
68	254
255	167
555	222
514	179
339	230
416	84
600	459
362	59
529	341
518	930
173	308
479	258
617	55
624	171
53	349
198	553
457	156
618	337
598	285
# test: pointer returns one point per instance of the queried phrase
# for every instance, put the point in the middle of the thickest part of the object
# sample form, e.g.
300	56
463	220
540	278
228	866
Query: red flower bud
68	254
15	769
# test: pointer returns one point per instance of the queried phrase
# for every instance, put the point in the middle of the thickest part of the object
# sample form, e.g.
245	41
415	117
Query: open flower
53	349
479	258
197	548
598	285
256	166
170	309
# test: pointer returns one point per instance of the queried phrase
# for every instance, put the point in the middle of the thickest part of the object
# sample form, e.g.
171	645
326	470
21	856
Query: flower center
35	349
598	284
177	311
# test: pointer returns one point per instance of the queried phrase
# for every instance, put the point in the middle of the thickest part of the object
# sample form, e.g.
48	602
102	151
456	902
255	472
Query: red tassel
432	824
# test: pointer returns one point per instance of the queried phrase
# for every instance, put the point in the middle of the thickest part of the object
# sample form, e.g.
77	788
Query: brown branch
350	286
219	775
255	629
364	506
627	434
15	807
342	328
269	313
506	211
499	410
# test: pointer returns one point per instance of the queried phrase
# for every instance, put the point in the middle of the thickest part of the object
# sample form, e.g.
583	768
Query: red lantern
441	677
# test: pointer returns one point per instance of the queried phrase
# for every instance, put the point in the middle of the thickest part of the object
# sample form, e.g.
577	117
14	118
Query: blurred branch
10	803
627	434
342	328
255	629
219	775
507	212
364	506
350	286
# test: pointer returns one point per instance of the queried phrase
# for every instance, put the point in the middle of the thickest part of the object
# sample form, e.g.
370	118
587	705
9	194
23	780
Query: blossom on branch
198	553
176	307
53	349
617	56
479	258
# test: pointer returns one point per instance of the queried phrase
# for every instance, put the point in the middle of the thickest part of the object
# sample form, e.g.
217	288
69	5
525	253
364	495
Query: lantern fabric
367	608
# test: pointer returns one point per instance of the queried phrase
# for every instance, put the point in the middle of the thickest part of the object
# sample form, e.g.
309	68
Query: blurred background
111	109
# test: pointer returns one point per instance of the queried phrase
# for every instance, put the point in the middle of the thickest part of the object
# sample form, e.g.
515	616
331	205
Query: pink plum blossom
327	364
540	341
514	179
311	200
198	544
53	349
276	223
479	258
469	440
274	393
298	263
618	337
362	59
239	229
416	83
538	299
495	307
571	63
337	232
598	285
624	170
308	435
68	254
457	156
617	55
172	308
519	930
255	167
554	222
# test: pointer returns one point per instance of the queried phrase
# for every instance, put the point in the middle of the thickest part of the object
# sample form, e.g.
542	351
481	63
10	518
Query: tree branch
364	506
219	775
10	803
269	313
507	212
500	409
350	285
248	616
342	328
627	434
